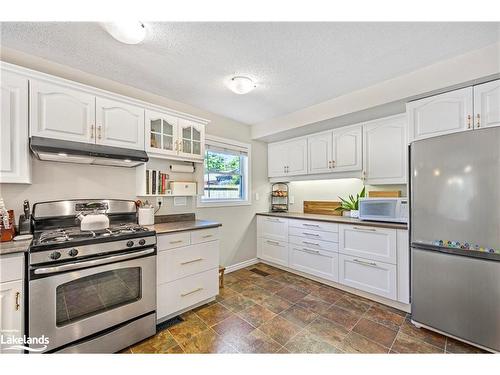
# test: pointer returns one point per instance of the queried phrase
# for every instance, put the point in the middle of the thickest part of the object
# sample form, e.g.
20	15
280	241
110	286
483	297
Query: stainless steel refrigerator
455	235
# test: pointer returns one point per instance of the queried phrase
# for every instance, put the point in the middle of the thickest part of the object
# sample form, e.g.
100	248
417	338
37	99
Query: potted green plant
351	206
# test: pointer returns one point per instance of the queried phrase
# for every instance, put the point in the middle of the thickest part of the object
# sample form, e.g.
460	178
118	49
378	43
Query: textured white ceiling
295	64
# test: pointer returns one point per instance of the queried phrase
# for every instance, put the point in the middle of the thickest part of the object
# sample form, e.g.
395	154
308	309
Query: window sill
201	204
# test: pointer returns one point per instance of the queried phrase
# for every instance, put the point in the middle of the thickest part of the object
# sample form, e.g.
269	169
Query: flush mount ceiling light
241	85
128	32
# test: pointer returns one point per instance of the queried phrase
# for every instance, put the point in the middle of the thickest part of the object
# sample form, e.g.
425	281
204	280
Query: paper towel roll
182	168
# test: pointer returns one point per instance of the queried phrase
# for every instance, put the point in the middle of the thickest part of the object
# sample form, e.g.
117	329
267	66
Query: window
225	177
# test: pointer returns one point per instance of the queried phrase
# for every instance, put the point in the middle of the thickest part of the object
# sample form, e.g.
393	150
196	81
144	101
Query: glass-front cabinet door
191	139
162	133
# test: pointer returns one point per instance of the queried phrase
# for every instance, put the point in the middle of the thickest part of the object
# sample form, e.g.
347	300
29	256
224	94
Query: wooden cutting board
384	194
322	207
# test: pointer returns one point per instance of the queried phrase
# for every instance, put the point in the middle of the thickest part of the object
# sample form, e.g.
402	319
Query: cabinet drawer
183	293
11	267
368	242
185	261
274	228
171	241
313	243
315	225
204	235
315	262
313	234
273	251
373	277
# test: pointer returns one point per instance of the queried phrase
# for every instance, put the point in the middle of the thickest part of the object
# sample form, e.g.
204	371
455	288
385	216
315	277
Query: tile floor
286	313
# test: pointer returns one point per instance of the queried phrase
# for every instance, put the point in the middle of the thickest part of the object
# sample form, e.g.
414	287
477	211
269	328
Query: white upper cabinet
440	114
287	158
296	157
61	111
161	133
276	159
14	153
320	153
191	142
119	124
487	105
347	149
385	147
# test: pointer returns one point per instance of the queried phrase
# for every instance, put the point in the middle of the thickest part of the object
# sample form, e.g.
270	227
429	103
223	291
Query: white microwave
384	209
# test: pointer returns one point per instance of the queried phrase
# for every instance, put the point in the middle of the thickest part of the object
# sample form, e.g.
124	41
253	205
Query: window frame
246	173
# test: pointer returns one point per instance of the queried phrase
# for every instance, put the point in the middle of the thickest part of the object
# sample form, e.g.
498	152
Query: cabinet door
119	124
487	105
61	111
403	258
276	159
347	148
11	312
272	228
15	161
371	276
161	133
319	153
386	151
368	242
296	157
273	251
191	139
315	262
446	113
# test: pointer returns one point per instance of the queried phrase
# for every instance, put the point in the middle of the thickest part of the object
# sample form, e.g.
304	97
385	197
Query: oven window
92	295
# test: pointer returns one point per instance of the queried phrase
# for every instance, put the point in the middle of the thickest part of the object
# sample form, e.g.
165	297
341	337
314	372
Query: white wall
330	190
53	180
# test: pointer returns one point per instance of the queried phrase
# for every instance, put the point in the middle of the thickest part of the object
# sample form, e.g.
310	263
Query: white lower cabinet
187	270
368	242
11	299
273	251
273	228
368	258
315	262
374	277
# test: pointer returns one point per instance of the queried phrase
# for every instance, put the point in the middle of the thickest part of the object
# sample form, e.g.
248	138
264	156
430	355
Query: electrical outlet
159	201
292	199
257	197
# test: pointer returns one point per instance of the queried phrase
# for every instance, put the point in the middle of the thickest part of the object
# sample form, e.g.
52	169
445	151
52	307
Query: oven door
76	303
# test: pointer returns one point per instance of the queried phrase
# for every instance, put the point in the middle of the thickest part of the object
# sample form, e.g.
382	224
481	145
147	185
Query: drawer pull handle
191	261
274	220
272	242
310	243
206	236
191	292
310	251
311	225
369	229
311	234
178	241
18	305
366	263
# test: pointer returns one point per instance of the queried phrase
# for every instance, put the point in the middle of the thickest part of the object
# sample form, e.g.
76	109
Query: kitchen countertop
334	219
12	247
180	226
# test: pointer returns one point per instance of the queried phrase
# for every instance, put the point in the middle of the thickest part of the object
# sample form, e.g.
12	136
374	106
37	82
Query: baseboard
237	266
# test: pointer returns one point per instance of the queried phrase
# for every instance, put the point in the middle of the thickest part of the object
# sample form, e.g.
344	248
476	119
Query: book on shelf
156	182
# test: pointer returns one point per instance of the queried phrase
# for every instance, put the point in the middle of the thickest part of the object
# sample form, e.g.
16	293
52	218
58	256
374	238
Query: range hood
85	153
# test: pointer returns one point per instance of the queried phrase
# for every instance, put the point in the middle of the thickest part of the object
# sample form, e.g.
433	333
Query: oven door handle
90	263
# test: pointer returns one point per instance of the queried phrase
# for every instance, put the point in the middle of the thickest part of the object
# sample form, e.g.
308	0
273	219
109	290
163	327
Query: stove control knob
55	255
142	242
73	252
130	243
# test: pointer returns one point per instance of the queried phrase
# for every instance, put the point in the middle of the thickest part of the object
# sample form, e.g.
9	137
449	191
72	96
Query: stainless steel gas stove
90	291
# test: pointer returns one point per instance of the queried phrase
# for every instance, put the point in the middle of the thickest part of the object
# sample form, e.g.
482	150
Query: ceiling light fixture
241	85
128	32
